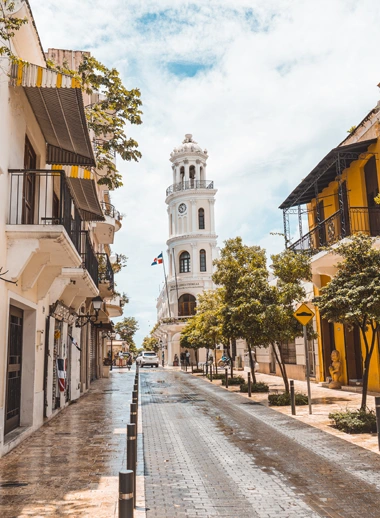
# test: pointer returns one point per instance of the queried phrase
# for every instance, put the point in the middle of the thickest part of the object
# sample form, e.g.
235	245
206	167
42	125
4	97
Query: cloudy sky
267	86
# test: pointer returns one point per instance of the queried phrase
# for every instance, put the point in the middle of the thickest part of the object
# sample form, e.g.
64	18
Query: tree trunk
281	364
196	357
367	361
251	363
207	355
230	357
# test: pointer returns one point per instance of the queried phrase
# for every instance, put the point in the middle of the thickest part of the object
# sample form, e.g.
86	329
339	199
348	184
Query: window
202	260
201	219
186	305
289	353
184	262
192	175
182	173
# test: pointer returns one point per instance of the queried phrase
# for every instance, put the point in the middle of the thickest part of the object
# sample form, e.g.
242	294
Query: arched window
182	173
186	305
192	175
184	262
201	219
202	260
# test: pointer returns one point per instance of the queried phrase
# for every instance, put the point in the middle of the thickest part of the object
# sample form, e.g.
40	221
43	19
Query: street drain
13	484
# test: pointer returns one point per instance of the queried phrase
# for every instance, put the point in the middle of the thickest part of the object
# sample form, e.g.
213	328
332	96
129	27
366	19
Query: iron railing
329	231
42	197
89	260
106	273
109	210
189	184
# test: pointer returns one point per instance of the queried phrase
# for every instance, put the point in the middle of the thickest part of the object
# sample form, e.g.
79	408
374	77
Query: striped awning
57	102
86	199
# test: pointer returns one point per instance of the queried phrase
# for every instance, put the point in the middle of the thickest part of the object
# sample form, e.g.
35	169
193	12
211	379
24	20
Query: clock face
182	208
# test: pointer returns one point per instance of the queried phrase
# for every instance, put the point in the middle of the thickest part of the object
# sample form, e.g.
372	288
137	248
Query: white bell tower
192	244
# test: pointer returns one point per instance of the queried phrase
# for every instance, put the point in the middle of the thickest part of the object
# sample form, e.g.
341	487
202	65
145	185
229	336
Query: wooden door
29	186
328	344
14	363
353	353
346	210
372	188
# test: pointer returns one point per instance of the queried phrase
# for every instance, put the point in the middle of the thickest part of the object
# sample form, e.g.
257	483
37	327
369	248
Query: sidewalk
324	401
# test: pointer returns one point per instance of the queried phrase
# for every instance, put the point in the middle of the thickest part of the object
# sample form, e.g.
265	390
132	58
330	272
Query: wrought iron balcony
106	273
109	210
329	231
189	184
89	260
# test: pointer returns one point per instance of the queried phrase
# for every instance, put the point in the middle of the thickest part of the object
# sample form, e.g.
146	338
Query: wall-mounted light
82	320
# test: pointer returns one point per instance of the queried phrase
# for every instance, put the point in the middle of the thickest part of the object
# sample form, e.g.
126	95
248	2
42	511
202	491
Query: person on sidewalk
187	354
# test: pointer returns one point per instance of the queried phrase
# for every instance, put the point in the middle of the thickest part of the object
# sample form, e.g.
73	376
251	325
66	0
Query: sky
268	87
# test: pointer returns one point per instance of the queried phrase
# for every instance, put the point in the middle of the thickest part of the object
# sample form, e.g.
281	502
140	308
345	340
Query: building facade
56	228
336	199
192	243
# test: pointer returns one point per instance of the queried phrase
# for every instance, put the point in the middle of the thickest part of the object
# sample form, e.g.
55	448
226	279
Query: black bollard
226	371
249	385
192	368
377	406
126	494
131	451
135	397
203	369
292	397
211	373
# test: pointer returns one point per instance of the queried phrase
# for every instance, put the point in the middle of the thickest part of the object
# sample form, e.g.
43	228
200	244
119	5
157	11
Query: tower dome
188	147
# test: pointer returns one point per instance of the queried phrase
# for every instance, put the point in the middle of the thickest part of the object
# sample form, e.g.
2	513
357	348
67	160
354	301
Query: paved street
208	452
213	453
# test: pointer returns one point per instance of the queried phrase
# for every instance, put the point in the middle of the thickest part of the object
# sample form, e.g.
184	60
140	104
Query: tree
112	107
9	24
126	329
352	297
290	269
150	343
241	271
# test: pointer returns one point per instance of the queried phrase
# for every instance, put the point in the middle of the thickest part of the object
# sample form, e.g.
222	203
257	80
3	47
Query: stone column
193	215
187	167
194	260
212	220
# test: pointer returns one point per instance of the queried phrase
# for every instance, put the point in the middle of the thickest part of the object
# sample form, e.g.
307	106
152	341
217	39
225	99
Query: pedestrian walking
187	354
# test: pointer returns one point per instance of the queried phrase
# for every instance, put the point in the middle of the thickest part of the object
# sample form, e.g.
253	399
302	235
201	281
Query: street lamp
82	320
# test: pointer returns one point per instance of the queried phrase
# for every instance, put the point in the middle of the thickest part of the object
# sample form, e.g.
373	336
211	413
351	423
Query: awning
57	102
326	172
85	198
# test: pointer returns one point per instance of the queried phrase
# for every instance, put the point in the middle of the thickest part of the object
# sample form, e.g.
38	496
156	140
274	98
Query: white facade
49	261
192	243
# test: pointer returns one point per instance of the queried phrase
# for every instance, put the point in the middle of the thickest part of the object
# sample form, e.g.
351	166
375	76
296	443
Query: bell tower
192	245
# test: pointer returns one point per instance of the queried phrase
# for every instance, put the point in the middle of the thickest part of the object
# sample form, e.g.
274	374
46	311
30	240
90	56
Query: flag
74	342
157	260
61	373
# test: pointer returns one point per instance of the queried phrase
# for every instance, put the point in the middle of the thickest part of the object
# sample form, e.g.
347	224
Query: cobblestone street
209	452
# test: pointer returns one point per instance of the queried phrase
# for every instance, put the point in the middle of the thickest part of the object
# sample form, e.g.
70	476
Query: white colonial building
192	244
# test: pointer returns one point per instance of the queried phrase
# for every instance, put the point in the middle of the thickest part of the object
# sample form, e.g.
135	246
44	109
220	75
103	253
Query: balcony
189	185
114	307
105	230
106	275
329	231
44	235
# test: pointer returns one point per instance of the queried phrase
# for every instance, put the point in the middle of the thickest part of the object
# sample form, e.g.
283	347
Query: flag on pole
157	260
61	373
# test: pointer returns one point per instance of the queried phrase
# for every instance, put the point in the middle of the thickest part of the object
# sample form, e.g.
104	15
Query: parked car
147	358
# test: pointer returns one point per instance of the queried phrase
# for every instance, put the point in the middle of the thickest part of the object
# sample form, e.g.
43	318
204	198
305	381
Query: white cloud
284	82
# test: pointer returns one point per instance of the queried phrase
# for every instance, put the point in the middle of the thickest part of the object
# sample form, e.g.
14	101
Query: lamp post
111	336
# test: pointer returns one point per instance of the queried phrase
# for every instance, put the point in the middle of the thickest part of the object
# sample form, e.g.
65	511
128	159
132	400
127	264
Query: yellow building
336	199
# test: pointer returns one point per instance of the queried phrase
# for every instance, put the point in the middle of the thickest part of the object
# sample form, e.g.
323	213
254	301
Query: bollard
377	406
226	371
211	373
126	494
292	397
132	452
192	368
249	385
134	397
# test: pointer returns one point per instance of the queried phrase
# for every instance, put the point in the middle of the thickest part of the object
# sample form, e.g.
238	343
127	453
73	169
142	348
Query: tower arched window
202	261
192	175
186	305
182	173
184	262
201	219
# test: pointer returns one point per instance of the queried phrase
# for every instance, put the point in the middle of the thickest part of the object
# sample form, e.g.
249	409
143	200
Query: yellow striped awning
57	102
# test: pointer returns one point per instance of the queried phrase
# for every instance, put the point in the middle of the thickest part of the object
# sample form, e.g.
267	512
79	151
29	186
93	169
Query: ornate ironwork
189	184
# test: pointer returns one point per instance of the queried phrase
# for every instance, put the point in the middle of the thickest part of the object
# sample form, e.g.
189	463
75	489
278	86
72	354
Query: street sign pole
307	368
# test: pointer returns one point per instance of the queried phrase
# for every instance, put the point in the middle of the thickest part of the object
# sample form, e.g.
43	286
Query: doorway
328	344
353	353
372	188
29	186
14	364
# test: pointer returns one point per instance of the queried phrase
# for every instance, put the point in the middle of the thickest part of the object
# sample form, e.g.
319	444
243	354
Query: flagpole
166	282
176	284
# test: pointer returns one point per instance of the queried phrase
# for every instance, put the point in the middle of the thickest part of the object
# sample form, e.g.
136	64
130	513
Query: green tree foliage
126	329
150	343
112	107
241	272
290	269
352	296
9	25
